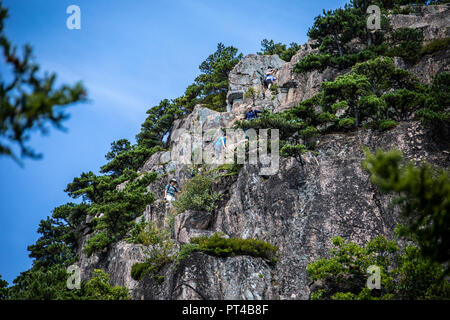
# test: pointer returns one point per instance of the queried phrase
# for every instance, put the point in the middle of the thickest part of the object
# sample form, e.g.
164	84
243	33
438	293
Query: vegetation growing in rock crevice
218	245
198	195
159	253
158	247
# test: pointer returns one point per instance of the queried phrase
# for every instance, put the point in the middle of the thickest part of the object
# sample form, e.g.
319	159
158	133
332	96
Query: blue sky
130	55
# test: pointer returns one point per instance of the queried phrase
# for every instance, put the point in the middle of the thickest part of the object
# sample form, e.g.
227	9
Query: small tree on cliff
374	89
334	29
269	47
213	80
404	273
423	197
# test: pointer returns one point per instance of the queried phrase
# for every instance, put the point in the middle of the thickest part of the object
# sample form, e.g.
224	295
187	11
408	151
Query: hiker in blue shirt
269	79
220	144
170	190
251	114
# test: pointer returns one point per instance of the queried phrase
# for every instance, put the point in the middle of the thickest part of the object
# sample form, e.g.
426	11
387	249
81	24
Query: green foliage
423	197
375	93
59	238
125	156
139	270
223	247
404	274
436	110
407	44
115	207
273	121
313	61
158	245
251	94
97	242
295	151
231	169
147	233
213	81
347	123
435	45
320	61
274	89
158	256
158	123
375	90
4	290
29	101
48	283
119	208
185	251
269	47
198	195
98	288
334	29
387	124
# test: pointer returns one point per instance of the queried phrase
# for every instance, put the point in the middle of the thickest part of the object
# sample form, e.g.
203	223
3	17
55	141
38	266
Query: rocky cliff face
299	209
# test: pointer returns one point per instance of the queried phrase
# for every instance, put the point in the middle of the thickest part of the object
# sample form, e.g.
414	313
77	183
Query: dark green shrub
435	46
139	270
158	257
185	251
147	233
198	195
97	242
295	151
407	44
387	124
222	247
404	274
98	288
347	123
314	61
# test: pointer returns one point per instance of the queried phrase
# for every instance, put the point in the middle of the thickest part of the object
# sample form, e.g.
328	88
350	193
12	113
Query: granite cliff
299	209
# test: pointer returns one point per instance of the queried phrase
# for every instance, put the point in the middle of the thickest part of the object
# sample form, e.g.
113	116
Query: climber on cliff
269	78
220	144
250	115
170	190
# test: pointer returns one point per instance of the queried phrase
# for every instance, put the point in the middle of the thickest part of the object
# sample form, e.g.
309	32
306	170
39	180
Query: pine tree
29	101
269	47
423	196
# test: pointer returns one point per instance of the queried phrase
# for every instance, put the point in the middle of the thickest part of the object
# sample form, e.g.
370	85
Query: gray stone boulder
189	223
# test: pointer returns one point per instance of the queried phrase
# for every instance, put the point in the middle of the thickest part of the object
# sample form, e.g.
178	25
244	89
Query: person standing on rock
220	144
170	190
